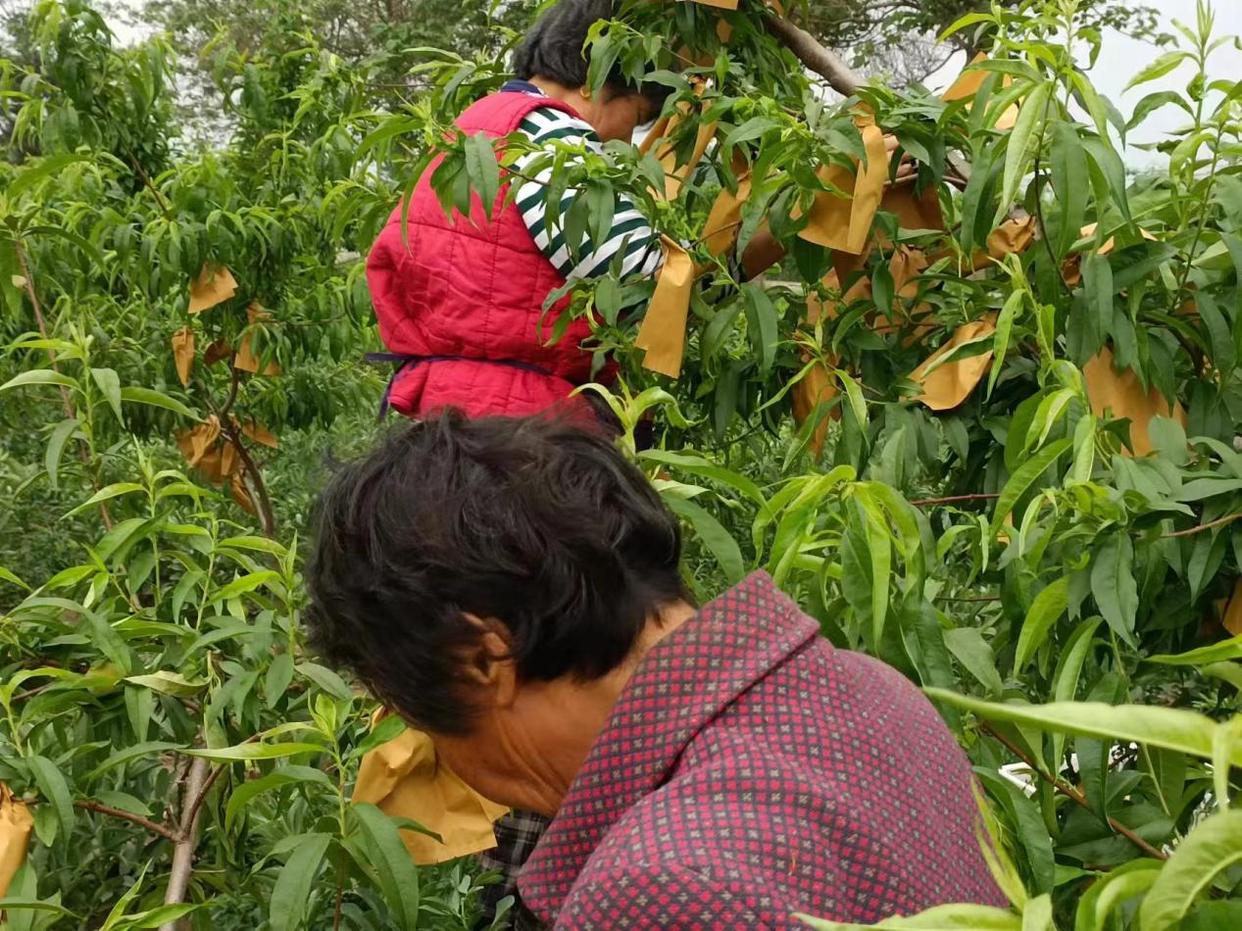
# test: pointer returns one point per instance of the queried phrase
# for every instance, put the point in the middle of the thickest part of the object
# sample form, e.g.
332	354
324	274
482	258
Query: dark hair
553	48
538	524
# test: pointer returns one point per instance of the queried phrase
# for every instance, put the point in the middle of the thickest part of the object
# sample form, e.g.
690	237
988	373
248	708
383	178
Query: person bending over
511	587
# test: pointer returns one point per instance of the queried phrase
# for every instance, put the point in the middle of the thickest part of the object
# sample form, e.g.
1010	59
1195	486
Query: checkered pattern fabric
517	833
751	771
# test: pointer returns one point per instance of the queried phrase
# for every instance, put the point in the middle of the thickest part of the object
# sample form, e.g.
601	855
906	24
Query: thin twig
66	399
979	599
1073	794
953	499
202	795
146	180
1191	531
263	502
154	827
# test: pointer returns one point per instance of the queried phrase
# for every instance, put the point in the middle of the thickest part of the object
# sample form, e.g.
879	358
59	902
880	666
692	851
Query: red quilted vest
462	298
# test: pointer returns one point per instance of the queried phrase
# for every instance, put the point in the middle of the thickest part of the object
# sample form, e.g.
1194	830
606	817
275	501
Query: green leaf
1172	728
148	396
1097	280
1109	892
105	494
1000	341
1113	585
110	385
40	377
7	575
1026	476
1158	68
1047	607
1037	914
156	917
278	778
56	447
1224	353
257	751
296	882
701	466
1226	672
940	918
1150	104
257	544
247	583
712	534
753	128
975	655
169	683
55	789
395	871
1071	181
1214	845
482	170
761	324
276	681
134	751
327	680
1109	173
389	728
1022	140
38	170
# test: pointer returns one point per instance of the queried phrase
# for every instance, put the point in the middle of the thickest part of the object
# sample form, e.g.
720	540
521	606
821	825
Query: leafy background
1060	578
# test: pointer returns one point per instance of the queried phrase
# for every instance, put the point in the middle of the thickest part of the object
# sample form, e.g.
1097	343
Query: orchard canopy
982	422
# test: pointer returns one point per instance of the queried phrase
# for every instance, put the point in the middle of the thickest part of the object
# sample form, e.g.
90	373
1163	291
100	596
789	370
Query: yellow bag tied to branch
1231	621
658	141
214	285
15	826
183	353
844	223
724	222
246	359
405	779
663	330
1121	394
968	84
948	385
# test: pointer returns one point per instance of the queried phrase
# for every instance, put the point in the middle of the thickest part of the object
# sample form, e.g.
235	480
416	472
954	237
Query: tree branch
1073	794
953	499
65	397
1191	531
183	852
808	50
154	827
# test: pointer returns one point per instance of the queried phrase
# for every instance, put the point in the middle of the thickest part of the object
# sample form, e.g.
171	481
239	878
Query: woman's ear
488	662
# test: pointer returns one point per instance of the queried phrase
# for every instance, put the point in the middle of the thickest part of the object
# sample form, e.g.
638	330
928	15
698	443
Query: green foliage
1059	597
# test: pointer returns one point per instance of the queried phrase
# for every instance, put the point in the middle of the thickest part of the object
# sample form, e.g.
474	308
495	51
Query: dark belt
402	362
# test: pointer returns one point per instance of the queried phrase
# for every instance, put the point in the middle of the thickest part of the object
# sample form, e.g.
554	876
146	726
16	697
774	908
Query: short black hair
554	48
537	523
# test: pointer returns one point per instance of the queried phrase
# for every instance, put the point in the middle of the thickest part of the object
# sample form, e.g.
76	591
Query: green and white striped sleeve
630	235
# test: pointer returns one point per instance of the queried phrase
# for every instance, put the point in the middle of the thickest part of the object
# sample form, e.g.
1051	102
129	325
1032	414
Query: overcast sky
1121	58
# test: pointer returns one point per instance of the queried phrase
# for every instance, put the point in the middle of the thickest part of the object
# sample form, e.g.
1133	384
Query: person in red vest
461	299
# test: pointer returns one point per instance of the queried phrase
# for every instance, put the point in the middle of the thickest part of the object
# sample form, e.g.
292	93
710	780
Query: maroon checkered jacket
751	771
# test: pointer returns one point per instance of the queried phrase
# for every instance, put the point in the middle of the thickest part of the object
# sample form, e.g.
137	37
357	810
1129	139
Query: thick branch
183	852
811	52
